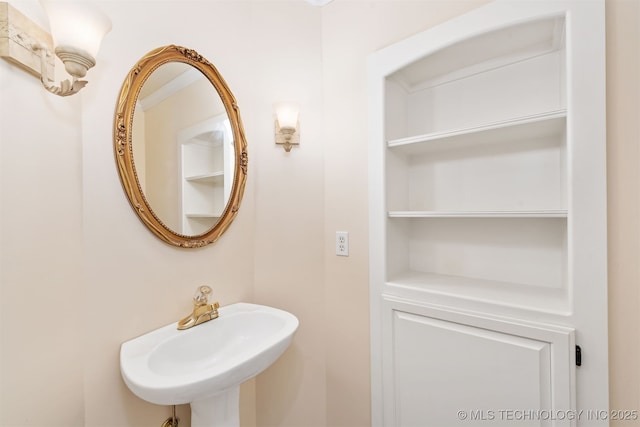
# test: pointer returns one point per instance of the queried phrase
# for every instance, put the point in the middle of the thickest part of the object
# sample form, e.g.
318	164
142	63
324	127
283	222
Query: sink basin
205	365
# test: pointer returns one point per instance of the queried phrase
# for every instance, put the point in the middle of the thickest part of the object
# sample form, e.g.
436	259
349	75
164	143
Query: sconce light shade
287	114
77	28
287	133
78	24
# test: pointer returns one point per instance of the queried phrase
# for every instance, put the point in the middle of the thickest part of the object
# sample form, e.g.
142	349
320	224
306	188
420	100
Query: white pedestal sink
205	365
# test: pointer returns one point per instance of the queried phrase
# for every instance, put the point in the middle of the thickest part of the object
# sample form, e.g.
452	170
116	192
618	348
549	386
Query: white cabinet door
448	368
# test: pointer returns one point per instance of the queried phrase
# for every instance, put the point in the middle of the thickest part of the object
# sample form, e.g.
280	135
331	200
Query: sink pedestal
221	410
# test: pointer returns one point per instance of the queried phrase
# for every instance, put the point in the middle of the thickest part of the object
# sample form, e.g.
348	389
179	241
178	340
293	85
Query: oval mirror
180	147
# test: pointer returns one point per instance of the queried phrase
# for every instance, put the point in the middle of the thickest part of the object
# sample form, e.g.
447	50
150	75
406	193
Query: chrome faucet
202	310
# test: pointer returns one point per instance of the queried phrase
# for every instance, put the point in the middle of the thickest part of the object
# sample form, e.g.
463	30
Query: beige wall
126	266
289	206
72	251
351	31
623	171
41	286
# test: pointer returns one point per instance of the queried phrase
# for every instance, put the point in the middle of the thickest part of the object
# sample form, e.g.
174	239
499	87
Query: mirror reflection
183	148
180	147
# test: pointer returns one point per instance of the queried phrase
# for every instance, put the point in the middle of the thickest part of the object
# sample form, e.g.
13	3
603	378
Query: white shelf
431	286
529	127
205	177
479	214
203	215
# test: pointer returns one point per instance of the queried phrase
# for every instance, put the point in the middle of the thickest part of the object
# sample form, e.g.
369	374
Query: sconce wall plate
287	139
19	37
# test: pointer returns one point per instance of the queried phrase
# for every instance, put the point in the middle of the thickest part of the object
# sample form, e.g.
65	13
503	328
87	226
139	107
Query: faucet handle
203	311
202	295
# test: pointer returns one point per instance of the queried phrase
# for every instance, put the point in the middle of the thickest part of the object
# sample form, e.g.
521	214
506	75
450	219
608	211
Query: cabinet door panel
444	363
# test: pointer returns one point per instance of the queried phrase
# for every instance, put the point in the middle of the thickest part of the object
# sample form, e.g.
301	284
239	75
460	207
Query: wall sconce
287	130
77	27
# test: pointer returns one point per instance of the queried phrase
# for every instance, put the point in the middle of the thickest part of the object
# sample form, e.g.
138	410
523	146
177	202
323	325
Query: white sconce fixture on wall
77	27
287	131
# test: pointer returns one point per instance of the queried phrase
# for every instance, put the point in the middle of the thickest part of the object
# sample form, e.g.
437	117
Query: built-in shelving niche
487	222
476	175
206	173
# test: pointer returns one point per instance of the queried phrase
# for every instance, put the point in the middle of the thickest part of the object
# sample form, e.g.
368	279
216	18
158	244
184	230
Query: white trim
182	81
561	213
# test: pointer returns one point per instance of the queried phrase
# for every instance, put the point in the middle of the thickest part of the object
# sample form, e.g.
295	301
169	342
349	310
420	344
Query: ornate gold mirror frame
123	150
